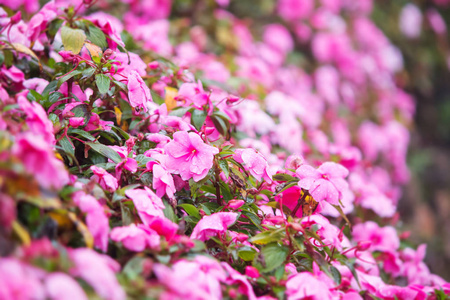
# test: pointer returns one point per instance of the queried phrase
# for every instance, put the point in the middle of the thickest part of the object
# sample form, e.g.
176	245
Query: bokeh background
424	42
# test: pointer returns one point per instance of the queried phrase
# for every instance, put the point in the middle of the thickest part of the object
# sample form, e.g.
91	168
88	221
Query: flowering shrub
202	159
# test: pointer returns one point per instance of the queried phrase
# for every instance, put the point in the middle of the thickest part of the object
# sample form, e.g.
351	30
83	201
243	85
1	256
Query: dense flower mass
205	157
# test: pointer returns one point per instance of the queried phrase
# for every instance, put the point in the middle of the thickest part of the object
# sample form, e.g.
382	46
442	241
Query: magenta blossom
138	92
60	286
147	204
189	156
136	238
163	181
381	238
212	225
326	183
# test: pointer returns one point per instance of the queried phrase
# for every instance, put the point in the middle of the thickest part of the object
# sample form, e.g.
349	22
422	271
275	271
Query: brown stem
299	203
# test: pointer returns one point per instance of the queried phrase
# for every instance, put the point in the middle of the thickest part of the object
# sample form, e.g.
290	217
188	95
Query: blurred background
420	30
425	207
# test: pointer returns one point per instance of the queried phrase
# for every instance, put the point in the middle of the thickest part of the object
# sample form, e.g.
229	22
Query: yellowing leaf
118	114
72	39
94	50
25	50
81	227
169	99
21	233
61	218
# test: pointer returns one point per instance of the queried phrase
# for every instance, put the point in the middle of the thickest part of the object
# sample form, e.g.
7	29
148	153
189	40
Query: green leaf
247	253
72	39
88	72
198	117
82	133
336	275
268	236
253	218
190	210
34	96
223	164
284	177
96	36
220	124
169	213
274	256
103	82
52	28
68	148
51	86
127	215
105	151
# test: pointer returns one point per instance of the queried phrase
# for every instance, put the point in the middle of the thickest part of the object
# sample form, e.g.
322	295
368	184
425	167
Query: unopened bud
363	246
235	204
252	272
16	18
108	52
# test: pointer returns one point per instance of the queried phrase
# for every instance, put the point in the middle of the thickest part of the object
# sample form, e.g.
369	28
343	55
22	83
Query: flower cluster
260	163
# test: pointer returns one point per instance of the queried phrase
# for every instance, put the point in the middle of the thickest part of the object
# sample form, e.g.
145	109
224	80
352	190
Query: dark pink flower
326	183
212	225
189	156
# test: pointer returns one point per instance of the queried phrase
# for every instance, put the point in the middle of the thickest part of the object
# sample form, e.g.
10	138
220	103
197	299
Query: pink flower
295	9
37	119
147	204
212	225
252	272
164	227
197	279
255	163
20	281
326	183
96	220
106	180
98	270
138	92
39	160
306	285
136	238
436	21
189	156
193	93
60	286
162	181
381	238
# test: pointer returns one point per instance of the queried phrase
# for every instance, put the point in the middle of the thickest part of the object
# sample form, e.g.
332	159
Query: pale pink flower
39	160
138	92
212	225
60	286
106	180
255	163
410	21
97	270
147	204
326	183
136	238
189	156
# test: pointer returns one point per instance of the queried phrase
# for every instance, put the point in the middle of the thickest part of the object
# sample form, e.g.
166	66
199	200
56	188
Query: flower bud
235	204
252	272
